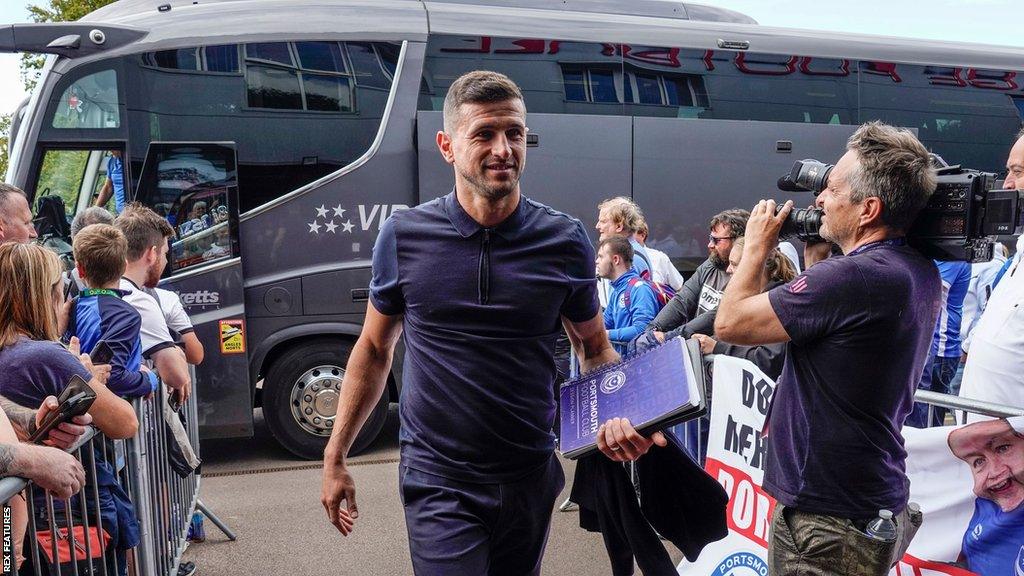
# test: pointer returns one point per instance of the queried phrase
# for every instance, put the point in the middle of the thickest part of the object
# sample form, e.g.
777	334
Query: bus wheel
300	398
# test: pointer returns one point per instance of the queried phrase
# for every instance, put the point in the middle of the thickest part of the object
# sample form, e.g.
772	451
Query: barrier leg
216	521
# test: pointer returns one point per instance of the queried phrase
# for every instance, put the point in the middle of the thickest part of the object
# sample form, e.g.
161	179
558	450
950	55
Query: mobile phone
75	400
101	353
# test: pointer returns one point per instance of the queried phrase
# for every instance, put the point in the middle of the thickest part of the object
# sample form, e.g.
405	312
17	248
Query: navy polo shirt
482	309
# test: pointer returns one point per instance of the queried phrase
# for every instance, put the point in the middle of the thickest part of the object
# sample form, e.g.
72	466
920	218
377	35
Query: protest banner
939	482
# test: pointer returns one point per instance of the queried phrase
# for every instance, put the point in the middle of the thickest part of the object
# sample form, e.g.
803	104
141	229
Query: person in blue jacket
994	540
632	303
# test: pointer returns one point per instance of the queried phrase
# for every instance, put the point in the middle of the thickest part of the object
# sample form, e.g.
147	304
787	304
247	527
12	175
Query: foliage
5	130
53	11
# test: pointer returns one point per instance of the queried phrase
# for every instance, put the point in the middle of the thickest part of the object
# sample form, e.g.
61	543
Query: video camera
960	221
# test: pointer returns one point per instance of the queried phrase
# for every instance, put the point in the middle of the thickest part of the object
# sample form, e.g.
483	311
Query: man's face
16	225
840	219
995	454
487	148
1015	167
605	264
156	269
720	245
734	260
606	226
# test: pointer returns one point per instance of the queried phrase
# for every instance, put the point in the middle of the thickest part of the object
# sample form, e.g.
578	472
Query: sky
993	22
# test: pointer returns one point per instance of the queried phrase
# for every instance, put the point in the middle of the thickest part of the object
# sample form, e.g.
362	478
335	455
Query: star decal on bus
330	219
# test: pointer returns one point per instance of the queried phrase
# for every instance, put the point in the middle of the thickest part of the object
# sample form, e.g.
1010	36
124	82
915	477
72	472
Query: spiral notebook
655	389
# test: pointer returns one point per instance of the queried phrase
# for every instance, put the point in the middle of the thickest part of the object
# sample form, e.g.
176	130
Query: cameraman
859	328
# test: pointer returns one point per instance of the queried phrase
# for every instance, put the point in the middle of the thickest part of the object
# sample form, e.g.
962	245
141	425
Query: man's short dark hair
143	229
619	246
89	216
735	219
101	250
6	190
894	167
478	87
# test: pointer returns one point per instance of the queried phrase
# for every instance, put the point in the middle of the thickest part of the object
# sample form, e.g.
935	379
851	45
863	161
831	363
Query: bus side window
89	102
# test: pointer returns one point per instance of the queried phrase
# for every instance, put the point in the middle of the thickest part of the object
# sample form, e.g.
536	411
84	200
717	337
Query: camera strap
901	241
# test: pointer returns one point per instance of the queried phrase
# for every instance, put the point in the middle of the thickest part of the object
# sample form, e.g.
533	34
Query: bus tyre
300	398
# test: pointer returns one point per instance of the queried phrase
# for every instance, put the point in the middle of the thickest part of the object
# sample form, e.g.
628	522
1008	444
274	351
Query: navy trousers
475	529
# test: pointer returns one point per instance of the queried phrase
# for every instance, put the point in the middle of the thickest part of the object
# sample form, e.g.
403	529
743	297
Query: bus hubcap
315	399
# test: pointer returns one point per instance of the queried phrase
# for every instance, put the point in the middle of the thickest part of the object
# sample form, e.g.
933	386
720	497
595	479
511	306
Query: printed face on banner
995	453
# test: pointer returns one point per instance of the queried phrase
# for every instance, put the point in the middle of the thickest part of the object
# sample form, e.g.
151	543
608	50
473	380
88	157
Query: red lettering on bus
554	46
658	56
708	64
988	80
483	48
788	67
951	79
883	69
608	49
529	46
843	70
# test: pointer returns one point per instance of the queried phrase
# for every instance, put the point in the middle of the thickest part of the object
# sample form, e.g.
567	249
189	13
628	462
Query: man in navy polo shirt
858	328
481	281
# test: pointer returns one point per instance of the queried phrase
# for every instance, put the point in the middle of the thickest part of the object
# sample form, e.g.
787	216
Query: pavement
271	500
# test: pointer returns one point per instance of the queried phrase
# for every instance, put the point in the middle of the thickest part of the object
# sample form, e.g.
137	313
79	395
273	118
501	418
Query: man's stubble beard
481	188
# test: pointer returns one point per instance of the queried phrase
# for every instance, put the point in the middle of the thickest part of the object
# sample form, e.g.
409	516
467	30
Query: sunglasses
714	240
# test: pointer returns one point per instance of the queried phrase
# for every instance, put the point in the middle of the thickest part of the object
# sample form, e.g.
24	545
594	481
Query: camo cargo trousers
807	544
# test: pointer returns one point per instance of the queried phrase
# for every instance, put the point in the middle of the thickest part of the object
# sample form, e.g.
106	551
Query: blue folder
654	389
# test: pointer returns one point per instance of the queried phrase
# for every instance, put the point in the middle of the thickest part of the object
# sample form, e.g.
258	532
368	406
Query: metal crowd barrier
73	530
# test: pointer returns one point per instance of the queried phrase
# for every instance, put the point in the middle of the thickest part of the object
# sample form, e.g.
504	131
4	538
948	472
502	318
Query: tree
53	11
5	129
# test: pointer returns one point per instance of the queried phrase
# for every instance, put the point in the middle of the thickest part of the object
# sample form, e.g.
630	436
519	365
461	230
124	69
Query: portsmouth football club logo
742	564
1018	566
976	533
613	381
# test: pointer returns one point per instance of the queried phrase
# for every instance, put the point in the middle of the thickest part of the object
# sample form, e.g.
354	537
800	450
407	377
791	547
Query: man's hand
338	485
100	372
184	391
707	343
762	233
660	336
53	470
66	434
619	441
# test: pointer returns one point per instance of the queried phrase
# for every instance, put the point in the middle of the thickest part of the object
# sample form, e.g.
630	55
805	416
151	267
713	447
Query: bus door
75	176
195	187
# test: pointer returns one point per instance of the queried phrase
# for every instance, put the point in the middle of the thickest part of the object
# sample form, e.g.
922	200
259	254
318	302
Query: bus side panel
579	161
686	171
213	301
337	222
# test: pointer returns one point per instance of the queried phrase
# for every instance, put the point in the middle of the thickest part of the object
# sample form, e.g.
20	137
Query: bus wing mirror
68	39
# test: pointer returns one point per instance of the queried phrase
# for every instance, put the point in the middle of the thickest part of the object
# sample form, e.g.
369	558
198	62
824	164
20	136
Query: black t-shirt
860	328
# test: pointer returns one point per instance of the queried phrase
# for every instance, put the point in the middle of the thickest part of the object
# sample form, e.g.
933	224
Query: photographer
859	327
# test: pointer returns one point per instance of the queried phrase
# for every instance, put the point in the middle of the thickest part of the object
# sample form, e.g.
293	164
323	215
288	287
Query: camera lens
802	223
811	175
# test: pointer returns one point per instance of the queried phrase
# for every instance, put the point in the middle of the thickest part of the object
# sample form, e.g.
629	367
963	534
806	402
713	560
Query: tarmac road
271	500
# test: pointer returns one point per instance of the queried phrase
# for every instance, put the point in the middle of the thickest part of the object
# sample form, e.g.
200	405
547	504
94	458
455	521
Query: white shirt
978	294
662	269
174	312
995	365
154	333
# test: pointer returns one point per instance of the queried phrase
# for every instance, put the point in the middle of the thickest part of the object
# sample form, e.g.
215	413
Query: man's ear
871	210
444	144
81	271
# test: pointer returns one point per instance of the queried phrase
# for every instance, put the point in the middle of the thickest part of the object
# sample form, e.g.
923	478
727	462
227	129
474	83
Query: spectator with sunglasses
690	311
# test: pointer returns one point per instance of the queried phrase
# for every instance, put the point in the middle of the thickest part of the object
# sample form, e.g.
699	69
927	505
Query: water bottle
196	532
882	528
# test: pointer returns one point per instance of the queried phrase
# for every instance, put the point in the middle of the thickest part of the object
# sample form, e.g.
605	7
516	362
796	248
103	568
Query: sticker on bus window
232	337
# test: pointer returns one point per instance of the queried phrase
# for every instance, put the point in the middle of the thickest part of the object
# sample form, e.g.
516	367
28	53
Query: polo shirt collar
466	226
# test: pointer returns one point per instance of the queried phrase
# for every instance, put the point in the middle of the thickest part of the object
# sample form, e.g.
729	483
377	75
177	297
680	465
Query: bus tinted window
966	116
89	102
291	124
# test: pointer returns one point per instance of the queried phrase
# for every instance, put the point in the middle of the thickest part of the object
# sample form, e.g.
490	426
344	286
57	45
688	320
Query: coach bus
277	136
